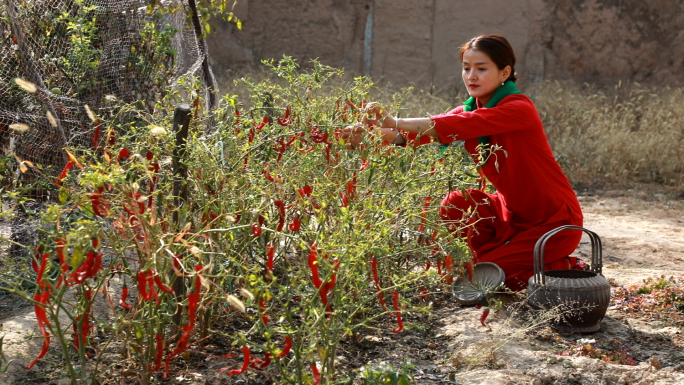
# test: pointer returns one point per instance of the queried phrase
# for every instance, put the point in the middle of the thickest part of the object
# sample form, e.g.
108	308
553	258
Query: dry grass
602	137
628	134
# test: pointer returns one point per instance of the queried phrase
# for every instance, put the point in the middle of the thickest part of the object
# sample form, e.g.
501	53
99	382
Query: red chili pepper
449	265
96	134
193	300
111	138
158	353
364	164
285	120
427	266
295	225
61	244
306	191
262	309
160	284
424	214
345	199
469	269
143	284
181	345
154	167
124	295
70	164
376	279
259	364
267	174
270	254
84	320
351	187
245	364
400	323
250	139
256	229
263	123
123	154
41	301
286	348
313	265
484	315
41	270
149	155
317	374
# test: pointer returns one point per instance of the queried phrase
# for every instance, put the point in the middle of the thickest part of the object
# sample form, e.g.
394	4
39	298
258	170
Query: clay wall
416	42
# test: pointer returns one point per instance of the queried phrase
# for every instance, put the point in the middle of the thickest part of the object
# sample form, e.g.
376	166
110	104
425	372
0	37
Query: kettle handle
596	252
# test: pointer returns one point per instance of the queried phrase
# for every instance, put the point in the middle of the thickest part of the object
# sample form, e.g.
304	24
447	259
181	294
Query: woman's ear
506	72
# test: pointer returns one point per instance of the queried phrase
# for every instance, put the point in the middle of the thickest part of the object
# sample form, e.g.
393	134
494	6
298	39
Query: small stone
551	360
568	364
655	363
536	381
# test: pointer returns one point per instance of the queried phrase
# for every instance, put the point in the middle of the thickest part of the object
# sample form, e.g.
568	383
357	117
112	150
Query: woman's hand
353	135
376	116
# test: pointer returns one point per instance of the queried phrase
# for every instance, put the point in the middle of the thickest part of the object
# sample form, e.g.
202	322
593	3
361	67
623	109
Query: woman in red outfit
533	195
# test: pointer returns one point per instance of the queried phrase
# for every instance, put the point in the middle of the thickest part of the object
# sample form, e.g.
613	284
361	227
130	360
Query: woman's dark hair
497	48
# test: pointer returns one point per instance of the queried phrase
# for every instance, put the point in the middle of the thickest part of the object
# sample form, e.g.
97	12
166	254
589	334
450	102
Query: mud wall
416	42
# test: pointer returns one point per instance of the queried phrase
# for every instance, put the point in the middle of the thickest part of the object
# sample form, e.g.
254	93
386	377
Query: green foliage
281	212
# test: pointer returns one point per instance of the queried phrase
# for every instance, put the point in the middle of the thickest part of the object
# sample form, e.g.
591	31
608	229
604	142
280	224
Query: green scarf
508	88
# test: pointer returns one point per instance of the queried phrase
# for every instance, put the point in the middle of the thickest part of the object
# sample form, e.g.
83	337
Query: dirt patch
642	238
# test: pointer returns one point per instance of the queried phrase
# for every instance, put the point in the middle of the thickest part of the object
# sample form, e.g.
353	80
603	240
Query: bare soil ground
642	236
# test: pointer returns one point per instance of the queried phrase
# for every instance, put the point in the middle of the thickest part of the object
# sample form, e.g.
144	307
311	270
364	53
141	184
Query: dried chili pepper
376	279
158	353
124	295
400	323
286	348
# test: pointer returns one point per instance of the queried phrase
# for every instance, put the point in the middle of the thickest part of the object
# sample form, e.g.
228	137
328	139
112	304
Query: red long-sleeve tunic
533	195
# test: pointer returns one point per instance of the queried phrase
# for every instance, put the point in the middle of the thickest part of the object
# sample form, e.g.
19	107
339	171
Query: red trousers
493	235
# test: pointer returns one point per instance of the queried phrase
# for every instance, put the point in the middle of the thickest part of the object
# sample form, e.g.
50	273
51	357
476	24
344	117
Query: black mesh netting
78	53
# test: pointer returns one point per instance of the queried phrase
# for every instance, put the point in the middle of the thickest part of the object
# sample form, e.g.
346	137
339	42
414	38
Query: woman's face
481	75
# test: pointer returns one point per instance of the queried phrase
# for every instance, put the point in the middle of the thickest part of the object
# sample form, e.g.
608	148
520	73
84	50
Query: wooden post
206	69
181	124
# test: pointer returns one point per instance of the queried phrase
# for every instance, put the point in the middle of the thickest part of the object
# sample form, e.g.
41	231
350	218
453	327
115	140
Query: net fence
78	53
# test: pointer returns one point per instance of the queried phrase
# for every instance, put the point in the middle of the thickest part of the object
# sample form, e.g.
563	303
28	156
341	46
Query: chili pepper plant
321	239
